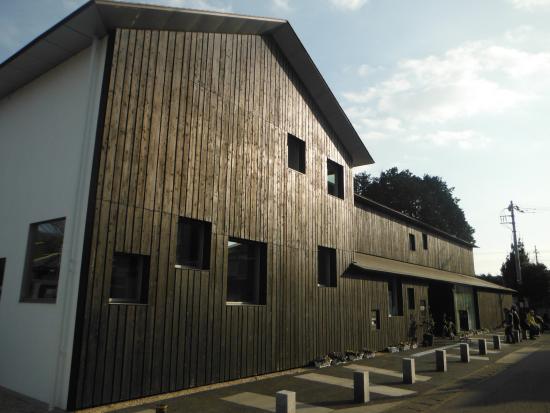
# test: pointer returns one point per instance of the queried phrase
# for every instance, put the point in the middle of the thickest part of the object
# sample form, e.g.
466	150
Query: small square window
335	179
193	248
410	297
375	319
43	261
246	272
129	279
296	154
327	267
2	268
412	242
423	307
425	241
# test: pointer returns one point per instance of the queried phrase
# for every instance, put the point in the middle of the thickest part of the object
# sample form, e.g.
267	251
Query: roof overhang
97	18
389	266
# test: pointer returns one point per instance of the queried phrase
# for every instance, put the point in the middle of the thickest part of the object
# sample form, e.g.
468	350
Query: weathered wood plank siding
196	125
491	307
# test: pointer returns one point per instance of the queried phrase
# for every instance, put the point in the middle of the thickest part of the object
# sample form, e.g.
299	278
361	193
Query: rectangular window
395	297
410	298
412	242
375	319
425	241
246	272
335	179
423	307
43	261
296	153
327	267
2	268
129	279
193	248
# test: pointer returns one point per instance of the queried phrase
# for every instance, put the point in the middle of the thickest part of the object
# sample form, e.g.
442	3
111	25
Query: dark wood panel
196	125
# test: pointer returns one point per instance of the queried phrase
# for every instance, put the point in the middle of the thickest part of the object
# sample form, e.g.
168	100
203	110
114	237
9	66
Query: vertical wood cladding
196	125
491	307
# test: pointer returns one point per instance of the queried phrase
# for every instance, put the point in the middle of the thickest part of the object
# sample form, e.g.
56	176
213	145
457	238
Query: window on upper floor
2	269
296	154
43	261
395	297
412	242
193	247
335	179
326	275
129	279
246	272
425	241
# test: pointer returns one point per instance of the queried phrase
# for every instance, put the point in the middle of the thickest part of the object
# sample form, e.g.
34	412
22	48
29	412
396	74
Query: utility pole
536	255
511	209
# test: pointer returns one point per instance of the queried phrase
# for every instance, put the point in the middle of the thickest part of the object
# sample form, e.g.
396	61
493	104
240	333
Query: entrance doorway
441	304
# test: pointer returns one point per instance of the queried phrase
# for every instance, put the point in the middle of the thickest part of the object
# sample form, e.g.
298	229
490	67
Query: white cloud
530	5
464	139
519	34
348	4
211	5
282	4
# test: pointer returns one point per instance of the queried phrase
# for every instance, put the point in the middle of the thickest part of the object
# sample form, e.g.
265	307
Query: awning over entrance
386	265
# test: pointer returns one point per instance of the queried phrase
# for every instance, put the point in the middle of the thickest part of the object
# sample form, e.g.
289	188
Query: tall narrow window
375	319
395	297
425	241
129	279
296	153
412	242
335	179
2	268
410	298
43	261
193	248
326	267
246	272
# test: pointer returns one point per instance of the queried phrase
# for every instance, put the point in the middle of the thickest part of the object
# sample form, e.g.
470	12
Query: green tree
495	279
535	284
426	198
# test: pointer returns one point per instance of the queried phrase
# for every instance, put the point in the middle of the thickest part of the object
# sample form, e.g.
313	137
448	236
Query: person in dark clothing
516	322
508	325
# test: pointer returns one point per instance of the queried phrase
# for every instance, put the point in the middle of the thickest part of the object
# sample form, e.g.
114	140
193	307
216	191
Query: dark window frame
411	298
142	279
2	270
395	297
201	230
258	295
375	320
296	156
28	278
335	188
424	241
412	242
327	276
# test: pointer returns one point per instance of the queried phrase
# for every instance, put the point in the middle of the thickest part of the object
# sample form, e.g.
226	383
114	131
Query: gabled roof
98	17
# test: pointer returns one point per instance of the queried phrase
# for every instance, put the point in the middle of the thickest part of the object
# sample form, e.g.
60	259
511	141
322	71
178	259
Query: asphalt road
523	386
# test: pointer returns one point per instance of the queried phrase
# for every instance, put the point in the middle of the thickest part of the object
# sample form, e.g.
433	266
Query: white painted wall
47	133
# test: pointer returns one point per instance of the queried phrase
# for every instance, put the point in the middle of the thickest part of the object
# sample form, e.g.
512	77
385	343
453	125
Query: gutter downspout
77	220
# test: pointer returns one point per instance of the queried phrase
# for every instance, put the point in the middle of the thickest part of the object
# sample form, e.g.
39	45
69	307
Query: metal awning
386	265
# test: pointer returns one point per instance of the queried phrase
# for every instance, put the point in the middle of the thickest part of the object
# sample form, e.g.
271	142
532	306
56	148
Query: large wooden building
177	193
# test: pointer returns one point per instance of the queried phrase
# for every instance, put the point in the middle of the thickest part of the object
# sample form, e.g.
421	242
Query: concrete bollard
464	352
361	391
482	346
161	408
409	371
496	343
441	360
285	402
516	336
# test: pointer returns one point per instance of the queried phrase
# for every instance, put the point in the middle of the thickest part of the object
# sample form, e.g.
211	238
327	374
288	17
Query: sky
458	89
